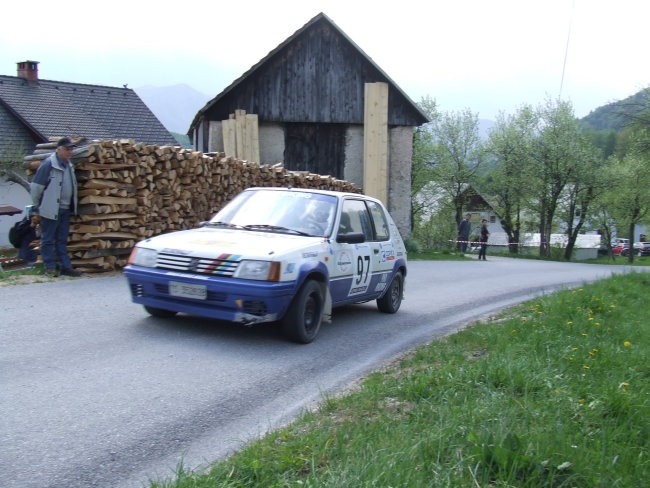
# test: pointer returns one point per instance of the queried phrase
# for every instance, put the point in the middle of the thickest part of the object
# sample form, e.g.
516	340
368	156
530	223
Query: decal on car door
361	271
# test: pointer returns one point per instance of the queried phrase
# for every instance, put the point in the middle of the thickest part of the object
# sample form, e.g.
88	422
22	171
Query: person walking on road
483	239
54	194
463	233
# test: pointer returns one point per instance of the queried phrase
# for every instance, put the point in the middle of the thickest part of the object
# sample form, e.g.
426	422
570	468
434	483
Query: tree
457	155
11	167
423	161
510	144
602	214
629	197
586	184
557	152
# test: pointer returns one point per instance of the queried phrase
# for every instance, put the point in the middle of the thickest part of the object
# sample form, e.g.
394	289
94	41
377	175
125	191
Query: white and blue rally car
275	254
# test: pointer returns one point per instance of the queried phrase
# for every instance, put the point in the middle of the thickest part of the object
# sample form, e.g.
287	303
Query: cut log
108	200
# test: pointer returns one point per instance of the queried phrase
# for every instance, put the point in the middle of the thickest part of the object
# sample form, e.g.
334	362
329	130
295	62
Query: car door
382	247
360	271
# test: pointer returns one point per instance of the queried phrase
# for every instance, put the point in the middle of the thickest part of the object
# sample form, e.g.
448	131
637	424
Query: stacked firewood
130	191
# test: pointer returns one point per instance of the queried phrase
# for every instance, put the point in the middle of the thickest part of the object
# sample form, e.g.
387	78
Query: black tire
159	312
302	321
624	252
392	299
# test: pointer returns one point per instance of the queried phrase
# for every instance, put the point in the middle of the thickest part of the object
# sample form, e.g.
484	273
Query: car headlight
258	270
141	256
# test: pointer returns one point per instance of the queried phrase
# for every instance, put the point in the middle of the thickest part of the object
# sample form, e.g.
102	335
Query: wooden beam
240	128
229	140
252	143
375	141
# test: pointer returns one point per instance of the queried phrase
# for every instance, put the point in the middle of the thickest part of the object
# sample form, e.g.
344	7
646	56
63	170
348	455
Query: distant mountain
616	115
175	106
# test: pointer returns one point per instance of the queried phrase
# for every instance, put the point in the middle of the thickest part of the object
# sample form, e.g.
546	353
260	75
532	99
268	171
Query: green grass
551	393
447	255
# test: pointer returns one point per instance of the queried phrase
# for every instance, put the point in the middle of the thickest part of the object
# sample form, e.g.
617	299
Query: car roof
337	194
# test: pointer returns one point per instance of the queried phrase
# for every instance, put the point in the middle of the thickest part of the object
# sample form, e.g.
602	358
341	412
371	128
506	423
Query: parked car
275	254
642	248
620	247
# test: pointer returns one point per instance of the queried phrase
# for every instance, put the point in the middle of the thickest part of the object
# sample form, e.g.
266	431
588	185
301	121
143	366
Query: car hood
208	243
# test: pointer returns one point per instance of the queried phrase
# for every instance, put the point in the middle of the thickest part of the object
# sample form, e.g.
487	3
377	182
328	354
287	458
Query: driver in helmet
319	216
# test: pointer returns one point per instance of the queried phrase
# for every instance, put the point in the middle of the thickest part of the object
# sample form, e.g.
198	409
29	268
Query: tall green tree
629	196
557	153
585	185
422	163
457	155
510	147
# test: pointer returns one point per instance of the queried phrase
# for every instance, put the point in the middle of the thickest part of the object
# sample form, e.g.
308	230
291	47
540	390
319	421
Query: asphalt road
95	393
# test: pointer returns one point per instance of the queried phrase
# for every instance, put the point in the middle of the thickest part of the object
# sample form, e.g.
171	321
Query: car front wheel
392	299
302	321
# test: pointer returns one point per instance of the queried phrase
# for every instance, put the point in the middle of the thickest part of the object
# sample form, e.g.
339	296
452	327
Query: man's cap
65	142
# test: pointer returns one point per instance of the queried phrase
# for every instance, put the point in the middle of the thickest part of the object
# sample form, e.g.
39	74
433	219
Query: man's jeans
54	240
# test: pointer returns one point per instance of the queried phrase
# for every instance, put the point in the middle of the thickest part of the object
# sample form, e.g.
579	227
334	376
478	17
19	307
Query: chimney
28	70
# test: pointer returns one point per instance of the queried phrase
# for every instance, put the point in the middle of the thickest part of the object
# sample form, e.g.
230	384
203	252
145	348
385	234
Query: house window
493	219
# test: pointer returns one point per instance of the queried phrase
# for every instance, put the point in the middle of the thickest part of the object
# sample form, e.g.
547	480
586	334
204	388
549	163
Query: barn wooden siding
317	77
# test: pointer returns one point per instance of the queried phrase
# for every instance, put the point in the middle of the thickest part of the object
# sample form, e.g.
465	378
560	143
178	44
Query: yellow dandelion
627	343
624	385
585	367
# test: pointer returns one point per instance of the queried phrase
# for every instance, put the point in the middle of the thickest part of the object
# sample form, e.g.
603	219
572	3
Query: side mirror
351	238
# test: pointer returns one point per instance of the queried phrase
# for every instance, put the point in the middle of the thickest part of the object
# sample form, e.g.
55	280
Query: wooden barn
320	104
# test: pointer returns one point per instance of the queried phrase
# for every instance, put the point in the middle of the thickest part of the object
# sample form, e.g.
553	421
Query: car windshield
290	211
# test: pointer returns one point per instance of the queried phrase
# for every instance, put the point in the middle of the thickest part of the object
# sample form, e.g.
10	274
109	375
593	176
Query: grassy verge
552	393
433	255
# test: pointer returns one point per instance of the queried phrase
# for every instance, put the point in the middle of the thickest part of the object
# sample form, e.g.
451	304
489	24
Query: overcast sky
485	55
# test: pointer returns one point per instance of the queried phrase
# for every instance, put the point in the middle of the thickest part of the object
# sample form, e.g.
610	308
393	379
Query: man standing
54	193
463	232
484	235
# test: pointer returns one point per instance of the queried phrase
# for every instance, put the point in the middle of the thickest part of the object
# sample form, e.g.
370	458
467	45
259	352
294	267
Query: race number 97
363	268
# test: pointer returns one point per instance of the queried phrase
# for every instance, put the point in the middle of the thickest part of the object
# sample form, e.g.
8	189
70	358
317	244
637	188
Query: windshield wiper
276	228
223	224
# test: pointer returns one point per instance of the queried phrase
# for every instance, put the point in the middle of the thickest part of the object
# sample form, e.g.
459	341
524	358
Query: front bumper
232	299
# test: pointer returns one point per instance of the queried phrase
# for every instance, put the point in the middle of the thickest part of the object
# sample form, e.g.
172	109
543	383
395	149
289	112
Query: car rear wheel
159	312
392	299
302	321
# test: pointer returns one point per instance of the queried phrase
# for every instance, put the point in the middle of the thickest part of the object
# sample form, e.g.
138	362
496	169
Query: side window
359	219
379	221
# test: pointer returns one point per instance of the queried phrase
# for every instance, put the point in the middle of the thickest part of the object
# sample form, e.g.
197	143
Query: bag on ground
18	231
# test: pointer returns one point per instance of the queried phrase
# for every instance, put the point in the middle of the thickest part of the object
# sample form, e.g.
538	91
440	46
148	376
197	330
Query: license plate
184	290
